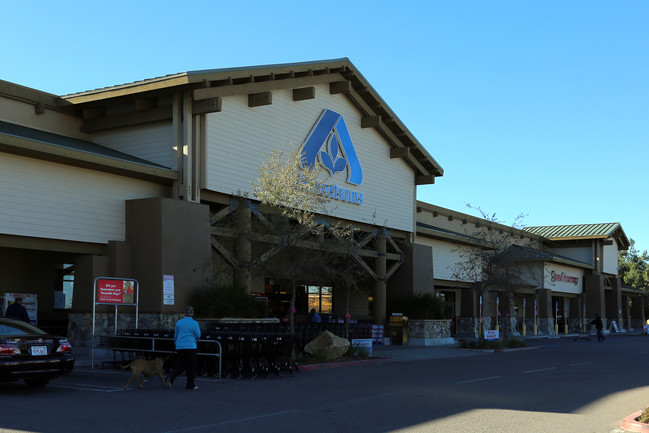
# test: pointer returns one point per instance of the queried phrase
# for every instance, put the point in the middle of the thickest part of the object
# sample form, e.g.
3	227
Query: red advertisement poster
114	291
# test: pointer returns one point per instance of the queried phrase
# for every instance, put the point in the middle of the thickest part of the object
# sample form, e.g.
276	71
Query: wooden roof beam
370	121
338	87
259	99
277	84
133	118
405	153
304	93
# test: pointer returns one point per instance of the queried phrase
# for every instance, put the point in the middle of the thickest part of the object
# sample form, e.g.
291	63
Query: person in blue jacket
186	337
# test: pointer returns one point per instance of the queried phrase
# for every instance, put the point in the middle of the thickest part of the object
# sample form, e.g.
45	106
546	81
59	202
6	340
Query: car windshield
18	328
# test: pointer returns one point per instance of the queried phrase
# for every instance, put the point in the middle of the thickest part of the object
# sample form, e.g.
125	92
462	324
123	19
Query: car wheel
37	382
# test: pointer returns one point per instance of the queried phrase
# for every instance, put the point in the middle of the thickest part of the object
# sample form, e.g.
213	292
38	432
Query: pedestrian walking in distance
597	321
186	337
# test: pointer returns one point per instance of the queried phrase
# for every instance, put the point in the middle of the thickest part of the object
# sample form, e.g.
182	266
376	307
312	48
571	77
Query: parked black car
31	354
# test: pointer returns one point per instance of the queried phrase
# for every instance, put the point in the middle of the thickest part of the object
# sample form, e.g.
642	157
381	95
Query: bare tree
496	260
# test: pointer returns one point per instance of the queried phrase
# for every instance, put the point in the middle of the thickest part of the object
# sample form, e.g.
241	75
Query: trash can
399	329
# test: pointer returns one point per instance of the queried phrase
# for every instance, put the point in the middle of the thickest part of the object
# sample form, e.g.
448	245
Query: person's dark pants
185	360
600	334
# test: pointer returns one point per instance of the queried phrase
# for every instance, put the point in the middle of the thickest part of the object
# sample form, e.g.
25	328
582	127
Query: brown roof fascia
128	89
44	151
242	80
31	96
423	206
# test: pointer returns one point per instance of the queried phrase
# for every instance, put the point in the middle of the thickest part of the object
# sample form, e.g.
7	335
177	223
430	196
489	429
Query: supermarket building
144	181
133	180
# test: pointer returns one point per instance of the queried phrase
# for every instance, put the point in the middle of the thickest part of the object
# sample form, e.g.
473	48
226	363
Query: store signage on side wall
556	276
330	144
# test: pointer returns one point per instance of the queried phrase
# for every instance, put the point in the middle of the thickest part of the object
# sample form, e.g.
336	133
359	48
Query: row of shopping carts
233	350
220	353
303	332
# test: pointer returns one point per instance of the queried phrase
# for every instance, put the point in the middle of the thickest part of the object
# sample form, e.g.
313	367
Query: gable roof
21	140
524	253
582	232
340	74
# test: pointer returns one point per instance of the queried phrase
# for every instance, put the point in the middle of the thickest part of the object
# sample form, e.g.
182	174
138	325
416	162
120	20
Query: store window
66	285
320	298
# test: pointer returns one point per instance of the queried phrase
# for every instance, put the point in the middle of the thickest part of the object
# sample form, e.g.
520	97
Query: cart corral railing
229	348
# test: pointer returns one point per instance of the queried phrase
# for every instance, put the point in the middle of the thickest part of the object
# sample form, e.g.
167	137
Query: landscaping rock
332	346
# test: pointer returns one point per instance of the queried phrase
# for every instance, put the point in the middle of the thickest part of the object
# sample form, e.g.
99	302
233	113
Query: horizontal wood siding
152	142
239	136
582	254
446	255
610	258
48	200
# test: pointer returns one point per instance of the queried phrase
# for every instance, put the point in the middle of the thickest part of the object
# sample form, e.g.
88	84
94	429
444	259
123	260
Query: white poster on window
168	289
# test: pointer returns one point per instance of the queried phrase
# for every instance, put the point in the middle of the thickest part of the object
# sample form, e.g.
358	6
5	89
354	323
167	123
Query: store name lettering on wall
562	277
330	144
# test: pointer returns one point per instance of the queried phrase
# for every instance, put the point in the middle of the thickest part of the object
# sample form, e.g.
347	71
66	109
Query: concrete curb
325	365
516	349
630	424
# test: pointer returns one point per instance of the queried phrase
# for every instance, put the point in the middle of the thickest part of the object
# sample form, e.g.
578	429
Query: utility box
399	329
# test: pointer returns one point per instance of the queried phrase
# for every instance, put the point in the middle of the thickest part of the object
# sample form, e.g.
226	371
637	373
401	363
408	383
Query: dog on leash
147	368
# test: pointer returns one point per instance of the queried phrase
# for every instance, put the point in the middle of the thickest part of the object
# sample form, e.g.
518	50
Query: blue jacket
187	333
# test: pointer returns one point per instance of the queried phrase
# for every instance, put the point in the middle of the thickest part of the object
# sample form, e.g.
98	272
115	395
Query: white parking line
582	363
539	370
86	387
478	380
211	426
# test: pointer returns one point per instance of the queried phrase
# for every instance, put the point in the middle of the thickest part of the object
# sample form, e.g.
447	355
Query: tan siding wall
152	142
445	257
239	136
47	200
582	254
442	221
610	258
23	114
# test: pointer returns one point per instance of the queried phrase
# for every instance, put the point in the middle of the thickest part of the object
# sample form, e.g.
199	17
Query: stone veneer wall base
430	341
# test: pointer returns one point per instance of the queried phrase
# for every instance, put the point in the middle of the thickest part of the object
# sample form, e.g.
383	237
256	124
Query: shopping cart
584	333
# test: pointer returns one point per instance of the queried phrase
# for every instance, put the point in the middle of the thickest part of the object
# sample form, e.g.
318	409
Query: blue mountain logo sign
330	144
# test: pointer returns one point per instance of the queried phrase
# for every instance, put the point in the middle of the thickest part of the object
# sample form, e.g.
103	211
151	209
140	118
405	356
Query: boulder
331	345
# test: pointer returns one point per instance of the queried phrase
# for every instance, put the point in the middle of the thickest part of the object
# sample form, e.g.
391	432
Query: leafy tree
289	191
294	198
339	263
634	267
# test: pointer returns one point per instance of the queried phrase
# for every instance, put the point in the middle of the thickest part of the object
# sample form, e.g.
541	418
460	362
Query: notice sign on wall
115	290
168	289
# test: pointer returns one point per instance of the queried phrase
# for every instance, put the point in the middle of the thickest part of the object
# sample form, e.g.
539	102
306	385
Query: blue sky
531	107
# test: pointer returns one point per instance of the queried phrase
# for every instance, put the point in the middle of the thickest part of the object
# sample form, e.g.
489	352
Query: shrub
355	351
489	345
421	306
644	416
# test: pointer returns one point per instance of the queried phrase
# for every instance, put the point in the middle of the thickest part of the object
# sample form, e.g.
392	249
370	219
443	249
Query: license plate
39	350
